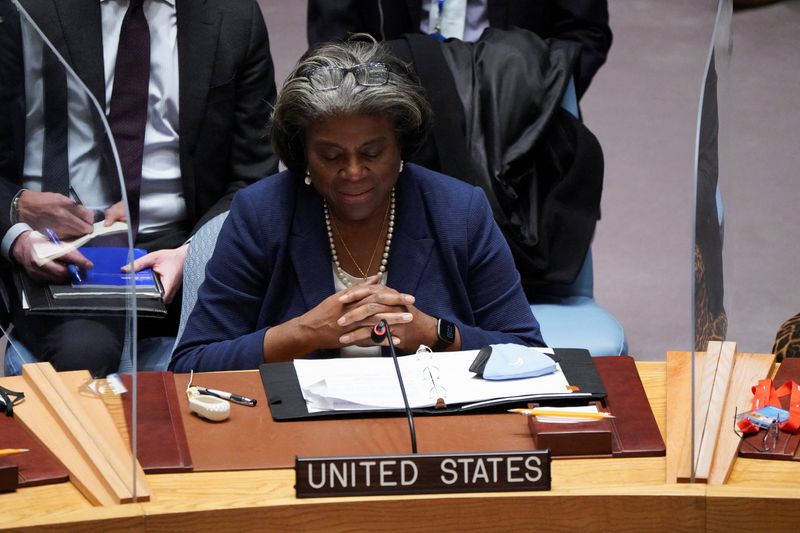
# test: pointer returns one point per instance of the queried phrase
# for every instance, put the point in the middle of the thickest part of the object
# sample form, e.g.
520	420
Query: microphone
379	332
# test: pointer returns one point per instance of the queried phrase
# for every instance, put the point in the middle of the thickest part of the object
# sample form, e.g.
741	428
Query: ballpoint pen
98	214
73	269
236	398
12	451
537	411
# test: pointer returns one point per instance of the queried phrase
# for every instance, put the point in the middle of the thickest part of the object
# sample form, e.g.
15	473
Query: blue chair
194	270
568	315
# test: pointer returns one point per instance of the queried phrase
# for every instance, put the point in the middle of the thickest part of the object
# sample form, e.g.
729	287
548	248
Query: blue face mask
511	361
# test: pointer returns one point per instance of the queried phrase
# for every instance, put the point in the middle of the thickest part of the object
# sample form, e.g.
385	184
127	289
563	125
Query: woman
310	259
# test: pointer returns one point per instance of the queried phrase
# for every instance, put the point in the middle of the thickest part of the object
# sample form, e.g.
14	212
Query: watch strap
445	333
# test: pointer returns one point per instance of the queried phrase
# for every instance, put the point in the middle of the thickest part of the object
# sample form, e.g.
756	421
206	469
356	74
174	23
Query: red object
764	394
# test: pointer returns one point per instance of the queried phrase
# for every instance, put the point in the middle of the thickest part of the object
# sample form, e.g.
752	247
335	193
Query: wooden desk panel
588	495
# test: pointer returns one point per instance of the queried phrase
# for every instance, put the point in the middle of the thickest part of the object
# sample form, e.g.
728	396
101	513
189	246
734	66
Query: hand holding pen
74	273
64	215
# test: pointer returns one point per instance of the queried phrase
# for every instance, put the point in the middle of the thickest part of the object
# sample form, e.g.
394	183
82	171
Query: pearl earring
307	180
401	165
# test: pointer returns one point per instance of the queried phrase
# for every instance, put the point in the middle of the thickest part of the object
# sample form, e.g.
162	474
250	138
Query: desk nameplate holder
380	475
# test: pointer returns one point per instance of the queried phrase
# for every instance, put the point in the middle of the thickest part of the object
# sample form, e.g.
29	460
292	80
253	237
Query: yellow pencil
537	411
12	451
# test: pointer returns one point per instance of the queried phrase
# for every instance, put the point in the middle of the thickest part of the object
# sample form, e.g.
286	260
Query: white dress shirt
162	204
462	19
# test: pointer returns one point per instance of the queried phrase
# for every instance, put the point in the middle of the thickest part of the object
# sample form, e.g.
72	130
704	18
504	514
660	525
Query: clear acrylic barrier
710	321
746	191
55	142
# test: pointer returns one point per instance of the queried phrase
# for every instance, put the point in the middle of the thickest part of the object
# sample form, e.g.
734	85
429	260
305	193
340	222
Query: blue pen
73	269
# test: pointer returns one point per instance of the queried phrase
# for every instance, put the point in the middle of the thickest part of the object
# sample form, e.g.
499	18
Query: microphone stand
379	332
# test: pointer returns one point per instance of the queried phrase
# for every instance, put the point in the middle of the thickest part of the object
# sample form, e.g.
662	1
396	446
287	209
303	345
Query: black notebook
286	400
38	298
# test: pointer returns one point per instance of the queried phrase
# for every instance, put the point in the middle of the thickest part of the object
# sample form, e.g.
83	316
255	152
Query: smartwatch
445	333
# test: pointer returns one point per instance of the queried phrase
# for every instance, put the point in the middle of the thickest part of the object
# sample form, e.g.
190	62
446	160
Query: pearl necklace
343	276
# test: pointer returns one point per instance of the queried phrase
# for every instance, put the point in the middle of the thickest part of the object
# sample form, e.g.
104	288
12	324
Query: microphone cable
379	332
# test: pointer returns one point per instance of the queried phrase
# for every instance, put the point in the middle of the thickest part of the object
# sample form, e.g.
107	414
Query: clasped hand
347	317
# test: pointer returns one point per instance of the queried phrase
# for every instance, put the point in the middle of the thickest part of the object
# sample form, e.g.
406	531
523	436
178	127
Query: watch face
446	331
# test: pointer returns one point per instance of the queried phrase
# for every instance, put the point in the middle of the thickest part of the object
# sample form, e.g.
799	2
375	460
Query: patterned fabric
194	270
787	341
127	115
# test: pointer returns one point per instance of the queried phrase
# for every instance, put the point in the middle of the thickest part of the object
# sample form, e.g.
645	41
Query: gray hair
299	104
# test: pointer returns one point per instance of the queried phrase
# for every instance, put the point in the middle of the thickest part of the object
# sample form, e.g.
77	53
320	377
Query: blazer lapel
198	33
411	244
410	253
309	248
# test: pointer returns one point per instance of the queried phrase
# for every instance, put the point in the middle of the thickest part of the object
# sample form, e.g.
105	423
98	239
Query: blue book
106	278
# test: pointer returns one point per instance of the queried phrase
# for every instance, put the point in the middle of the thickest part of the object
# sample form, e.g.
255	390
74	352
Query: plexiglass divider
56	143
709	319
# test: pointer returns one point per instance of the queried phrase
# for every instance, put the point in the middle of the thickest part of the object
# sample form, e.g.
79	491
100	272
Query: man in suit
581	21
207	104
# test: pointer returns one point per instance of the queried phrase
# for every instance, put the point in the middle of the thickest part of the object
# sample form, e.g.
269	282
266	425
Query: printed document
348	384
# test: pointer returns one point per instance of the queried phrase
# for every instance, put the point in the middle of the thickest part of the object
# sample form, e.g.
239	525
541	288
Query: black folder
286	399
40	300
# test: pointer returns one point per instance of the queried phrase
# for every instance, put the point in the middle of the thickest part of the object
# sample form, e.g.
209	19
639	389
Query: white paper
48	251
371	382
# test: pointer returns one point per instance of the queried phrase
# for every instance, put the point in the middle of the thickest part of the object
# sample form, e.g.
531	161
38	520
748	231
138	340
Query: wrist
446	333
17	247
14	215
287	341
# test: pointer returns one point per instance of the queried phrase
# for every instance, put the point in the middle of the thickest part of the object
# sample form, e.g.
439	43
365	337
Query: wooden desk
587	495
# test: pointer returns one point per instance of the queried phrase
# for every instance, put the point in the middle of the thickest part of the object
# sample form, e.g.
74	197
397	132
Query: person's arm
44	210
251	156
222	332
12	113
584	22
501	312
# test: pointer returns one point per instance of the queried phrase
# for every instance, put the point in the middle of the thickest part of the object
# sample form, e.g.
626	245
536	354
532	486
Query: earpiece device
210	407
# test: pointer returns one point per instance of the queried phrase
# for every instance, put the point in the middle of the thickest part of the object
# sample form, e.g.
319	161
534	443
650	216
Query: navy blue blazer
272	263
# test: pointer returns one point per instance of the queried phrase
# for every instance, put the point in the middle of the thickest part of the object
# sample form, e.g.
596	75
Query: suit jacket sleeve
12	112
584	22
501	314
251	156
223	331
